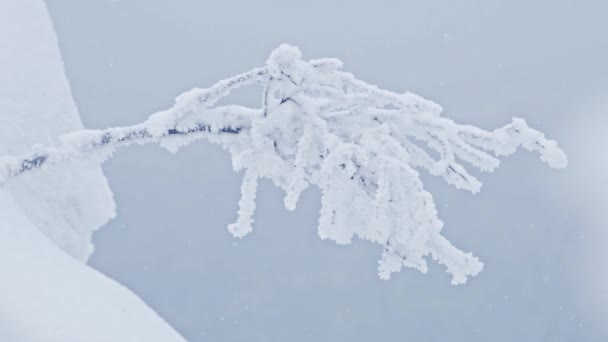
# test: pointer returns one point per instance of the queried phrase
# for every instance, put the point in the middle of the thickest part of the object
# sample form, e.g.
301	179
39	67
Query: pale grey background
539	231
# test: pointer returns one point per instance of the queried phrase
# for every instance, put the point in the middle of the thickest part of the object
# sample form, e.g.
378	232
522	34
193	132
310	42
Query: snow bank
46	295
69	202
47	218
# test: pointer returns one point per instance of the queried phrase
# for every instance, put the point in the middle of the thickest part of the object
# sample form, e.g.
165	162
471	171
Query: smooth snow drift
47	293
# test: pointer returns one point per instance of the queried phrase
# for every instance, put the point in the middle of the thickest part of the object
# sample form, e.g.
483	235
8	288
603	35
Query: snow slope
47	218
69	202
46	295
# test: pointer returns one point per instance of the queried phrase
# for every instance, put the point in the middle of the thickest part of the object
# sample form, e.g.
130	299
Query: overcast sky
539	231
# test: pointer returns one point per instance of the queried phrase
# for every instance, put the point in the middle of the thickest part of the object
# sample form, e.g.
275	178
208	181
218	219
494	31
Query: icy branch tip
285	59
284	56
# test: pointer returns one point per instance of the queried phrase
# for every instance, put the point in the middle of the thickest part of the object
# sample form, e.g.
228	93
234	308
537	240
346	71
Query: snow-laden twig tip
362	146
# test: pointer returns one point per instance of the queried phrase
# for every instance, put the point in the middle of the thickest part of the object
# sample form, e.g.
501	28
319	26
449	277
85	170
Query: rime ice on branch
317	125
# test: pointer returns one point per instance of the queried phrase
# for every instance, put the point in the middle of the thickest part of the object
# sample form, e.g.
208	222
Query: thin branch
79	143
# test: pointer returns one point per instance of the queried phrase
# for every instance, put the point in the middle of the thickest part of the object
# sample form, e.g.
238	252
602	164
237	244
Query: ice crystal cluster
362	146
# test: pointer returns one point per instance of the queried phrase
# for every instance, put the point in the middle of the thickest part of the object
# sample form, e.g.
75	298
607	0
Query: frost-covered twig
317	125
229	120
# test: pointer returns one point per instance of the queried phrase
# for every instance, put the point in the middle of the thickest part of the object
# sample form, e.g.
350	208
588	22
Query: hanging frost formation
360	145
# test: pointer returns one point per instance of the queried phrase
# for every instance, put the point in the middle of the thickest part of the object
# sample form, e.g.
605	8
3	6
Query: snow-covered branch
317	125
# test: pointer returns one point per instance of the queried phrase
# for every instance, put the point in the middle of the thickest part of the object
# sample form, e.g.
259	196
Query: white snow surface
362	146
47	292
48	296
69	202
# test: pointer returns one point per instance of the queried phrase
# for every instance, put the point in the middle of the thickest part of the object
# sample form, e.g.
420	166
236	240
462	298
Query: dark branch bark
111	138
